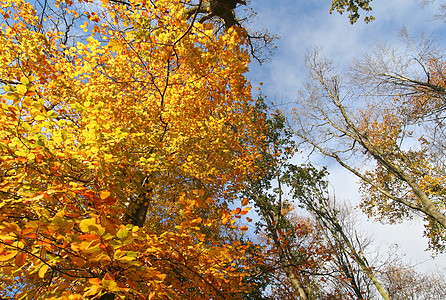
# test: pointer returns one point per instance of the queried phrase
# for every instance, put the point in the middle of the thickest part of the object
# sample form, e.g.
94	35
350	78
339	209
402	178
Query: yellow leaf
111	285
21	89
43	270
88	225
8	255
34	111
24	194
93	290
11	96
122	233
39	118
24	80
161	277
126	258
99	258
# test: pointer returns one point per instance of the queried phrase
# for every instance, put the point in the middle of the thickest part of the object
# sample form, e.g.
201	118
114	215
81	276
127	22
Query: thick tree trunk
137	211
108	296
223	9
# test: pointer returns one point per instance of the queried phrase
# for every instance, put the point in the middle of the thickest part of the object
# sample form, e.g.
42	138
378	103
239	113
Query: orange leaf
245	201
110	201
236	211
55	171
7	256
108	276
197	220
104	195
245	210
88	237
94	281
78	261
20	259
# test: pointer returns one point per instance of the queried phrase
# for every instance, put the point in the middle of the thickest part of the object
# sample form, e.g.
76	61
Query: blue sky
304	25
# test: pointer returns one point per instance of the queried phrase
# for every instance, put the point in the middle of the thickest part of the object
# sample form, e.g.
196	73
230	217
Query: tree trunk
296	284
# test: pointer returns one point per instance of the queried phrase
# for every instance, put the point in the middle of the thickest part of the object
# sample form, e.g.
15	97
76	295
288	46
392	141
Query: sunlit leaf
43	269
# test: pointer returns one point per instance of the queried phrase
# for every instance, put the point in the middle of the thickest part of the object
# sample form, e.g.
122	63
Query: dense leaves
127	132
316	256
120	151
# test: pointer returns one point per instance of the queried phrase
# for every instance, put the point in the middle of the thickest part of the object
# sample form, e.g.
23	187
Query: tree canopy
121	143
131	149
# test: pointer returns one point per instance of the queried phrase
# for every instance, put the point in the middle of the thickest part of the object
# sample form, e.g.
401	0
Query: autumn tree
345	278
314	252
389	116
310	189
126	129
122	140
292	246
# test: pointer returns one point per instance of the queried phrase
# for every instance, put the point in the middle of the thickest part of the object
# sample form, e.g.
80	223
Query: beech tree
120	152
126	129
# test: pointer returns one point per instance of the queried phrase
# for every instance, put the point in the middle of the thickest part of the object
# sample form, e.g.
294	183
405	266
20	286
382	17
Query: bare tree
404	282
379	123
309	188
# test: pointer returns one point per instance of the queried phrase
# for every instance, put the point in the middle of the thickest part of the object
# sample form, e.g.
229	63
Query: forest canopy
133	154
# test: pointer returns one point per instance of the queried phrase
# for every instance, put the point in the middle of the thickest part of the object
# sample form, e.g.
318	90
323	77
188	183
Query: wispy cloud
307	24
